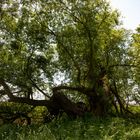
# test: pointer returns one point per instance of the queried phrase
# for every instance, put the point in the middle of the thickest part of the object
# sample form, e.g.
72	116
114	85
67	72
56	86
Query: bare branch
21	99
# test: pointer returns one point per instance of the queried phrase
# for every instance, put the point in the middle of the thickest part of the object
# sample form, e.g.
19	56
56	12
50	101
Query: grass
88	128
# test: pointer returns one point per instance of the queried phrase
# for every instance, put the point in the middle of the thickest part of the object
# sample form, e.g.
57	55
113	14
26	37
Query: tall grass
87	128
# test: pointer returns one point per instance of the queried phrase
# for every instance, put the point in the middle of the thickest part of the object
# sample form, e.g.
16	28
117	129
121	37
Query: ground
64	128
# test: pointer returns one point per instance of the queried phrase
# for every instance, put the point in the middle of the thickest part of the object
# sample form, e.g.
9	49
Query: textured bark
60	102
99	100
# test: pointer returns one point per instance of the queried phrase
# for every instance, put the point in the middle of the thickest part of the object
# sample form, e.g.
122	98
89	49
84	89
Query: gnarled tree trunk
100	101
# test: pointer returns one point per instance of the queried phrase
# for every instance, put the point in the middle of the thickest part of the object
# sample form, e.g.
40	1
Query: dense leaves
75	47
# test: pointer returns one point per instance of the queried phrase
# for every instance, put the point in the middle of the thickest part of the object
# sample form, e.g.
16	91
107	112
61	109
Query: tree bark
58	102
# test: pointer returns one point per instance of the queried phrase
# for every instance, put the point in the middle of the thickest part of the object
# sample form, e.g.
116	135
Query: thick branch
79	89
21	99
30	101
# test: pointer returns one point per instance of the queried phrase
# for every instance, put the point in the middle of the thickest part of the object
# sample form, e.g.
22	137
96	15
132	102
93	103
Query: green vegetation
69	57
74	55
88	128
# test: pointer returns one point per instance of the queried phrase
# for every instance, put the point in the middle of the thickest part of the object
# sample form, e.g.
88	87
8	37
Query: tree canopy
56	53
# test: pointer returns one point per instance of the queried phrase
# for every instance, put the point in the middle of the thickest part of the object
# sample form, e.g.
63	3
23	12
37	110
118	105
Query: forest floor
87	128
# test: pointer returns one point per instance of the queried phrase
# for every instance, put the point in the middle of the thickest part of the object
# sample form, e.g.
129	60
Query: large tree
134	55
65	51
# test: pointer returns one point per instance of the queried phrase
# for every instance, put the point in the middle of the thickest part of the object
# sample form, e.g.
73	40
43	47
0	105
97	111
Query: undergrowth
87	128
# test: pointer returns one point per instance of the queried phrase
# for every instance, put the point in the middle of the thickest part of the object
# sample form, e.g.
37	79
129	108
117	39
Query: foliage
134	52
14	107
86	128
9	112
76	48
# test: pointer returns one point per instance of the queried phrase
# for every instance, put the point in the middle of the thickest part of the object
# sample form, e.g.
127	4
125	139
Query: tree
78	42
134	53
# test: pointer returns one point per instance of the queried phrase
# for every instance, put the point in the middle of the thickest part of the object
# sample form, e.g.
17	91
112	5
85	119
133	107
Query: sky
130	12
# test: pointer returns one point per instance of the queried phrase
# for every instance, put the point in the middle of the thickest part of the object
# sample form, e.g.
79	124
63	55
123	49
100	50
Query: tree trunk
59	102
100	100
